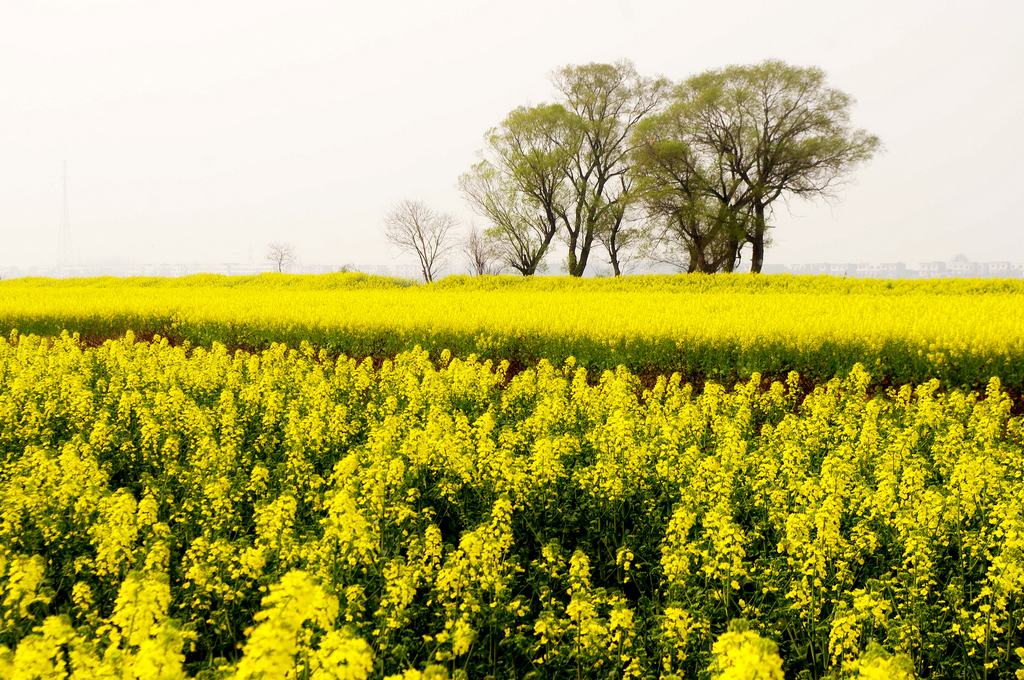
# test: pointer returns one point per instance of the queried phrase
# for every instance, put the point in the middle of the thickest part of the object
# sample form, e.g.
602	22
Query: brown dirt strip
647	378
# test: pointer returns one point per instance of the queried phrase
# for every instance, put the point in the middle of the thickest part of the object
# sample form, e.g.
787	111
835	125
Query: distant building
962	267
894	270
932	270
848	269
1003	269
884	270
959	266
866	270
185	269
816	268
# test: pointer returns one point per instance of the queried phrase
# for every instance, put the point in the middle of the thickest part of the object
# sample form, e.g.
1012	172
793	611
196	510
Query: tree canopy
688	173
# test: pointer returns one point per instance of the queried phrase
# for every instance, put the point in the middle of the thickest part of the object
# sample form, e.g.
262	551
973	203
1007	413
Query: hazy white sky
199	130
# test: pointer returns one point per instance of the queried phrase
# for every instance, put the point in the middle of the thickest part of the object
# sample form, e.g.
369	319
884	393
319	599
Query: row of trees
683	173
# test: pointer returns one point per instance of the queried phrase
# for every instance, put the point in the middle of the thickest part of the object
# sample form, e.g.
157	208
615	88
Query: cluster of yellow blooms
716	326
171	512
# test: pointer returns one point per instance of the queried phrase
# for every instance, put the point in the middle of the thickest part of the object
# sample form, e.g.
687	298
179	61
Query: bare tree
281	255
481	253
415	228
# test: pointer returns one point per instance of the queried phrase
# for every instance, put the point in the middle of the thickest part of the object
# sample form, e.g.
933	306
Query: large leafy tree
704	164
606	101
519	186
562	168
778	129
688	195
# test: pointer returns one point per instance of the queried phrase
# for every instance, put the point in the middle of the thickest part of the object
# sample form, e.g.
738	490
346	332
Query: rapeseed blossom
176	511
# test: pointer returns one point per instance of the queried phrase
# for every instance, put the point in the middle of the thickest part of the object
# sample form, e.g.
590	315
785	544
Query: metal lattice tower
64	233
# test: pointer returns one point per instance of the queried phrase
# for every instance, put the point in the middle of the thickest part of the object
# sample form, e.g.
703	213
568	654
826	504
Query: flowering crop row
168	512
717	327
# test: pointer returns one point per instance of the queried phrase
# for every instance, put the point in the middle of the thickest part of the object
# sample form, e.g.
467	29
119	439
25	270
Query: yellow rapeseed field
170	512
722	326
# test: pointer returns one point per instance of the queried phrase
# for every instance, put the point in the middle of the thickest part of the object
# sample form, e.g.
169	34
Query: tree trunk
613	255
757	243
731	258
699	257
577	265
570	263
585	248
613	244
